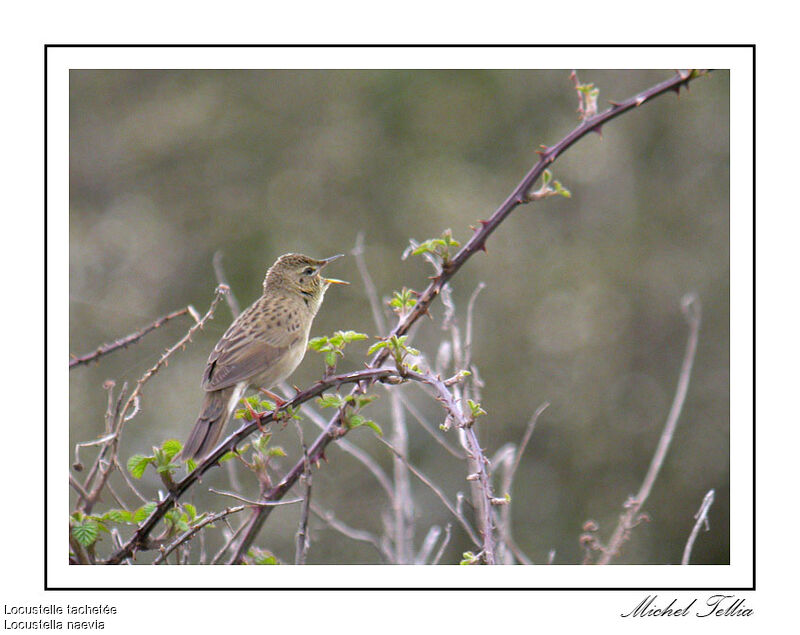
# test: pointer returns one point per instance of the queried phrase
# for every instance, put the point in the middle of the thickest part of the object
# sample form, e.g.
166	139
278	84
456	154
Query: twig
401	499
690	305
443	546
701	518
344	445
427	544
468	329
138	540
220	291
303	541
330	519
234	535
126	341
426	425
78	487
219	272
439	493
486	514
128	480
132	404
252	503
189	533
233	305
526	438
369	285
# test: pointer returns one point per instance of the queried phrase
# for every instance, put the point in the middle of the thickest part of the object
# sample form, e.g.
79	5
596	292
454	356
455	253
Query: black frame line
47	587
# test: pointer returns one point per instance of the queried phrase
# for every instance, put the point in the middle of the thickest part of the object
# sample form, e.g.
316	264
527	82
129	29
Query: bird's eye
308	271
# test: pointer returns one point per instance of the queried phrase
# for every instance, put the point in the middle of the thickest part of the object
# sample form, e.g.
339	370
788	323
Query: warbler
262	347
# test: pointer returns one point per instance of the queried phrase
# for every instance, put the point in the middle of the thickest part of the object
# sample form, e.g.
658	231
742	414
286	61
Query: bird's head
301	274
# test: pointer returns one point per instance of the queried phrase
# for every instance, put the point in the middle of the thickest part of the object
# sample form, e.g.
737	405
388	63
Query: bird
262	347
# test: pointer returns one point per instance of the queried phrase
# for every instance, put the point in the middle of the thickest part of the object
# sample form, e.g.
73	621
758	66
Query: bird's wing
243	353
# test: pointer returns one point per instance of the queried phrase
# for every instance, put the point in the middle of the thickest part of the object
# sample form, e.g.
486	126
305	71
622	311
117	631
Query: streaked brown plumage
262	347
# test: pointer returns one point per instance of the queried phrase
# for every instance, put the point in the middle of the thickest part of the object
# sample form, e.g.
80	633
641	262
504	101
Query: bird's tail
207	431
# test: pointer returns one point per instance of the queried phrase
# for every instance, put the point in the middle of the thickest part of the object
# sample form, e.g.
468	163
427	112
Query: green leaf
351	336
356	421
425	247
118	516
137	464
143	512
227	456
469	558
191	511
191	465
475	408
168	468
318	343
171	448
560	189
377	346
276	451
86	532
243	413
330	358
261	442
261	556
363	400
329	400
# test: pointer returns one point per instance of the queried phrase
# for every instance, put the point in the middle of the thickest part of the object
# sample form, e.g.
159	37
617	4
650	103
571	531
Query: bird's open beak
328	261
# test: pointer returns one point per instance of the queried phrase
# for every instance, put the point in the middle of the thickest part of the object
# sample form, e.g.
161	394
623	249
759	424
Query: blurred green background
581	308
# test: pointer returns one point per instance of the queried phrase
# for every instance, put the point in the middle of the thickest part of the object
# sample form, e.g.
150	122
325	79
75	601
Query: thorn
677	89
279	403
483	248
598	130
484	222
616	104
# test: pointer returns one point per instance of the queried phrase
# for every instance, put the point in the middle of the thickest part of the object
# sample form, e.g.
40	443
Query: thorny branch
105	462
138	540
126	341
